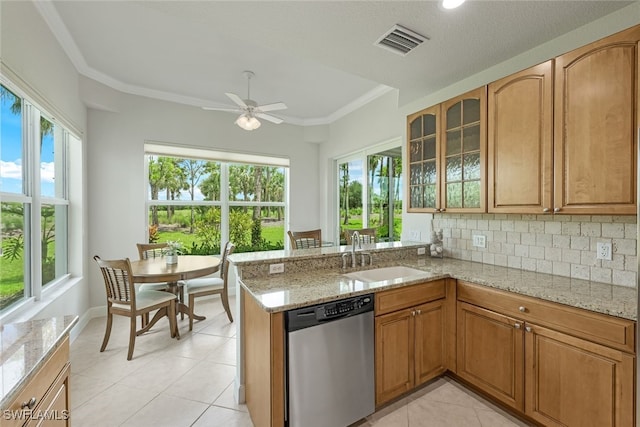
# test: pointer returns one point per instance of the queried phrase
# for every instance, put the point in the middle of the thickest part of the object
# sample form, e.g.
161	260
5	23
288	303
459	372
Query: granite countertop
280	292
24	348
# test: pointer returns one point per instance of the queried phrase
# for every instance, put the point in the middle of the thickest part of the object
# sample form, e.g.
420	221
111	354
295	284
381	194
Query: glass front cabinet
447	151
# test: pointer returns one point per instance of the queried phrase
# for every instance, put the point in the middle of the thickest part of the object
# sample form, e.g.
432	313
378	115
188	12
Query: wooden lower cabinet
410	349
48	391
574	382
552	377
490	353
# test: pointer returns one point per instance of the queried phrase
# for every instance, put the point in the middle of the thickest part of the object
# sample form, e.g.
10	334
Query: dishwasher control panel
305	317
340	308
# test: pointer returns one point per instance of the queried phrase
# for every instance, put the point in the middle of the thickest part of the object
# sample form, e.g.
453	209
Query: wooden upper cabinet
463	151
520	142
596	103
423	149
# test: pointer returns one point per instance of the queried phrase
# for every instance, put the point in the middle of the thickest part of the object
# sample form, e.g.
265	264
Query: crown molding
51	17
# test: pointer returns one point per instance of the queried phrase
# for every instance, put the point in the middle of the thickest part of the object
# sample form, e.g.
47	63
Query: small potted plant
173	249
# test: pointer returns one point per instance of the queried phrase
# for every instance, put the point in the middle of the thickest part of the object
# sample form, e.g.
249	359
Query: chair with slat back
367	235
305	239
211	285
123	300
151	250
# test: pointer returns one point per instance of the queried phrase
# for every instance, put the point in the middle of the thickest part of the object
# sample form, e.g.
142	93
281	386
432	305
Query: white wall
116	178
34	61
384	119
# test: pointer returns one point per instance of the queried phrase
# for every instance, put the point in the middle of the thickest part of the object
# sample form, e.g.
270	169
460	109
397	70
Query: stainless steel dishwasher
330	364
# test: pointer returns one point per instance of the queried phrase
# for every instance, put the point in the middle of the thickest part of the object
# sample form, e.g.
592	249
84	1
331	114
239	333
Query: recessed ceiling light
451	4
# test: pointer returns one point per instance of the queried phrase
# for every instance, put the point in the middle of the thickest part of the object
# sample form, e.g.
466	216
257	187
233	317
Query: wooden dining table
156	270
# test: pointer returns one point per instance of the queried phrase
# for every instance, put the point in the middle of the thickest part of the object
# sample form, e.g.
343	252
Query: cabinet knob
545	210
517	326
556	209
30	404
522	308
418	311
442	209
413	312
528	329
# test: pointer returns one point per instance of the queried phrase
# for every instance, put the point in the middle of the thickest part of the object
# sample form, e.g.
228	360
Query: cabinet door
54	410
573	382
429	341
423	149
520	141
595	127
394	355
490	353
464	150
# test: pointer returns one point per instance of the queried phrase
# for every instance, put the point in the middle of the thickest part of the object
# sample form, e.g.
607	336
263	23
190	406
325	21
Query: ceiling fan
250	110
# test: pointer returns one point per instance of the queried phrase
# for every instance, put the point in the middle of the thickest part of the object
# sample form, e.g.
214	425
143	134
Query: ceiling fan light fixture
248	122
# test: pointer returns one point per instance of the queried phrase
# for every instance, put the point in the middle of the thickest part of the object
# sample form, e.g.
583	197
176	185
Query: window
370	192
203	202
34	206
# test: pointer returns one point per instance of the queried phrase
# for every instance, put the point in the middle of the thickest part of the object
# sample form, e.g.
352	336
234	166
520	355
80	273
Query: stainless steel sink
384	273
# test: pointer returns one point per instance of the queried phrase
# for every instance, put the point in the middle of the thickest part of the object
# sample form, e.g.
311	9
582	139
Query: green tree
344	177
210	185
194	171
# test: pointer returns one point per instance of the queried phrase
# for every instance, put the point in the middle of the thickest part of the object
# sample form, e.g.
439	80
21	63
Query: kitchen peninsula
586	321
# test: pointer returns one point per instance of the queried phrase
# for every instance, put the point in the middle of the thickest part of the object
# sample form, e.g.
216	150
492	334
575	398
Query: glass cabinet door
423	160
464	145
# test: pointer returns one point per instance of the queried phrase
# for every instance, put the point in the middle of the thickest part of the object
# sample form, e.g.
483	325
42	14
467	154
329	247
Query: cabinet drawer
38	385
599	328
397	299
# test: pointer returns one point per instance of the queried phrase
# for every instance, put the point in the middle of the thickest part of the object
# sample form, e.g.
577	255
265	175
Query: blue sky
11	154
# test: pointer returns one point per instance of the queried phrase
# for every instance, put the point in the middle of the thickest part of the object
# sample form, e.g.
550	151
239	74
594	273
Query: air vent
400	40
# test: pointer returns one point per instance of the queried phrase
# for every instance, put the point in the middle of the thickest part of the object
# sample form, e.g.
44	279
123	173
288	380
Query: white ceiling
318	57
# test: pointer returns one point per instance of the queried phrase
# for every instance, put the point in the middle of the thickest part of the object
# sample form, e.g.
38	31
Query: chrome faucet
355	237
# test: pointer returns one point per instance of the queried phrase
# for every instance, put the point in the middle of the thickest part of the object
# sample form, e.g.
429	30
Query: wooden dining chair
305	239
211	285
123	300
367	235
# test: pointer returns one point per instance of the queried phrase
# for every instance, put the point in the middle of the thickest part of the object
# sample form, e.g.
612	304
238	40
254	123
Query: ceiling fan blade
270	118
235	98
273	107
232	110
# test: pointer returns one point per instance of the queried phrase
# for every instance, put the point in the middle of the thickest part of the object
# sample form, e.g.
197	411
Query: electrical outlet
414	236
479	241
603	251
276	268
422	251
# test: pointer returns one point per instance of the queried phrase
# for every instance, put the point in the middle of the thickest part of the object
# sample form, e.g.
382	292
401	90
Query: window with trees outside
203	202
370	192
34	200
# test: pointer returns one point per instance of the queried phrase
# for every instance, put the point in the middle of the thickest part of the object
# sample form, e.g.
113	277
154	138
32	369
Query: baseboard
84	320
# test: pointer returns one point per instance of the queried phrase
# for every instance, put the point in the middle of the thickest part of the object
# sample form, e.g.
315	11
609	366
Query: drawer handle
30	404
522	308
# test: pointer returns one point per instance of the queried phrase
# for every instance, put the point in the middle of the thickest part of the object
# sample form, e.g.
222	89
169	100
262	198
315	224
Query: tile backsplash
561	245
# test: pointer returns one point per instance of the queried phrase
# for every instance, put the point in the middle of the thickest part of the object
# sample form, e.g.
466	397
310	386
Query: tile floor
190	382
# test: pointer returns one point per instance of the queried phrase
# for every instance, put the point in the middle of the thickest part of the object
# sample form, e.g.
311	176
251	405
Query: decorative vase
172	259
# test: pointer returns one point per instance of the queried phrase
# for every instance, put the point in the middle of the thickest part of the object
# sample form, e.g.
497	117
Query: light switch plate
479	241
422	251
